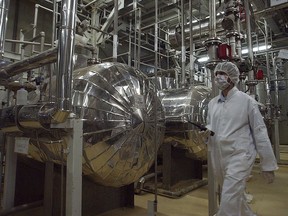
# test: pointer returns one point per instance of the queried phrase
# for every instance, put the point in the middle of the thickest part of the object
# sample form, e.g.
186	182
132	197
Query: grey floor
269	200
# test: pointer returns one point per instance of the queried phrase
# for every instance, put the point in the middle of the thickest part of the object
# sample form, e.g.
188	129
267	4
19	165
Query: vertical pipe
130	42
21	48
115	31
212	11
4	6
139	37
95	22
155	105
183	50
15	25
42	41
276	120
65	54
268	98
135	33
35	24
212	184
252	88
10	174
191	44
53	36
248	32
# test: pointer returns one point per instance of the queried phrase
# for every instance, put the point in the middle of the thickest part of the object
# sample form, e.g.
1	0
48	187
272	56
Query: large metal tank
183	106
118	108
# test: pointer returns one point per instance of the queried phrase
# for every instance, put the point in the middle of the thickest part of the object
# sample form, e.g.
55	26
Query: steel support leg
74	169
10	174
212	188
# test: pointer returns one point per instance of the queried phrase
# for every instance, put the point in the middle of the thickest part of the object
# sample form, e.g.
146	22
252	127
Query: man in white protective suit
240	133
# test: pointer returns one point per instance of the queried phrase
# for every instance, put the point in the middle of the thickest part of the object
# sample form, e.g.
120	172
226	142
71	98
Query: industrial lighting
255	49
244	51
203	59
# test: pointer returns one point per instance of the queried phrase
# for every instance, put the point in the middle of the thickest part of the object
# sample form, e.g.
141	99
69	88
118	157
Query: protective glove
268	176
204	133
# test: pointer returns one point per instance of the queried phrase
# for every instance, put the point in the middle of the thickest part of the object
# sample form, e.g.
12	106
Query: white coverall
239	132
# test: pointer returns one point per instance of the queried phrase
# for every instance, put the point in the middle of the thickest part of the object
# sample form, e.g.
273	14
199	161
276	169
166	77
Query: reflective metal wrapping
181	106
118	107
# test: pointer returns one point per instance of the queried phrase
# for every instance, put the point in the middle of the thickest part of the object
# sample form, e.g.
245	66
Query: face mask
221	81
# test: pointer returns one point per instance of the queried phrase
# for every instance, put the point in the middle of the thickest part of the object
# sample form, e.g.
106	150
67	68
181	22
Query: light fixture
256	49
244	51
203	59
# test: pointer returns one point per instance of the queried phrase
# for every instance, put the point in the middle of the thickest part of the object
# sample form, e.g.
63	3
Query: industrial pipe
276	119
212	23
65	54
115	31
155	106
183	49
250	82
4	5
191	44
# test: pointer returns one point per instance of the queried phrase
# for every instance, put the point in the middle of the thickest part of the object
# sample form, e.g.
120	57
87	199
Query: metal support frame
211	43
74	166
10	174
48	188
74	170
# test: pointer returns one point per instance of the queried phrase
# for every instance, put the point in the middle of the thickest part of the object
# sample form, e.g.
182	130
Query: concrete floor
269	200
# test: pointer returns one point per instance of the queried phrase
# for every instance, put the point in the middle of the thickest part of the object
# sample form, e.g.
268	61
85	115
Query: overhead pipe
65	55
4	6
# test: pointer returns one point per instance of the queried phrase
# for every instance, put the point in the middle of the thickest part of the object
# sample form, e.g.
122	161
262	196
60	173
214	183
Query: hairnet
230	69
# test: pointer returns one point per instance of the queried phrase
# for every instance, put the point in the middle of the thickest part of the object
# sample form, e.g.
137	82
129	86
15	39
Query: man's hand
268	176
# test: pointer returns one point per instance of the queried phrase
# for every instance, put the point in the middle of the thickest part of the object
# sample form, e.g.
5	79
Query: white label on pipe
21	145
115	45
283	53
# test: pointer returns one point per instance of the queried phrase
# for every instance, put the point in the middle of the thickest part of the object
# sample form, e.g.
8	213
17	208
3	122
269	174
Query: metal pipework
276	114
212	21
231	22
213	42
4	6
183	49
65	54
250	82
115	32
191	44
